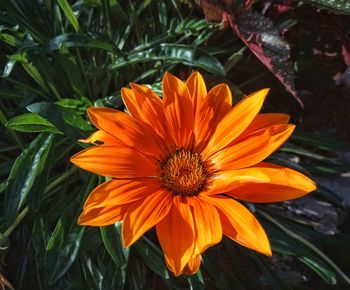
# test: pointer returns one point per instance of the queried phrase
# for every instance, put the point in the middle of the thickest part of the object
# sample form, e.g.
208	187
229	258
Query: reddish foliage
258	34
346	55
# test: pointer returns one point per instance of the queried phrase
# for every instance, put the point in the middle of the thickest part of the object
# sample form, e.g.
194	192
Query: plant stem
16	222
58	180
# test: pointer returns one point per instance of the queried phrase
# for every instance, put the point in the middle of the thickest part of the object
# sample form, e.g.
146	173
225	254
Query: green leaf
67	121
320	141
75	104
57	237
321	268
152	256
68	254
291	148
342	6
82	40
309	252
233	59
112	239
69	14
170	52
31	123
196	281
24	172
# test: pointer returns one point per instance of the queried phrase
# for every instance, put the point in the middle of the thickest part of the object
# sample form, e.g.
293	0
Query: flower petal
176	235
146	106
262	121
118	192
207	224
144	214
178	109
193	265
102	216
113	161
128	130
227	180
235	122
253	149
102	136
240	225
214	107
197	89
282	184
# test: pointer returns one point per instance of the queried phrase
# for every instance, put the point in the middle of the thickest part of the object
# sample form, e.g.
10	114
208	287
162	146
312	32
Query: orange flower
180	163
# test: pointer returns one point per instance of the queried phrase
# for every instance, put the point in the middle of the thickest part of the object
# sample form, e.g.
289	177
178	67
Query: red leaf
213	10
346	55
258	34
263	39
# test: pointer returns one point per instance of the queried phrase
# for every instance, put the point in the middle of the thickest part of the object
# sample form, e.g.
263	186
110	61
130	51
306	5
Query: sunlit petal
176	235
235	122
253	149
145	214
178	109
240	225
113	161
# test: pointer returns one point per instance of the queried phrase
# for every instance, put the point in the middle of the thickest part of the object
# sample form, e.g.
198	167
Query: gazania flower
181	163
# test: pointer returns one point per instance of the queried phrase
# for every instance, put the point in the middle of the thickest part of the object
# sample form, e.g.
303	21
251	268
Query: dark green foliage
60	57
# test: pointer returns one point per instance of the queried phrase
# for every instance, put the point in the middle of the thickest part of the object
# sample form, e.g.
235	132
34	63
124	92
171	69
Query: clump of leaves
60	57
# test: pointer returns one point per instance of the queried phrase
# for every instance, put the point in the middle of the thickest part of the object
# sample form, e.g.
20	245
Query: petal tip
82	220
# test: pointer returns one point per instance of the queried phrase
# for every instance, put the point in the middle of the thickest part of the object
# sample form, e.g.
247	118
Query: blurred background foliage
58	57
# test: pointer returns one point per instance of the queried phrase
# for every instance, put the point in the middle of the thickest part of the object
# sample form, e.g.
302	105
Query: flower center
184	173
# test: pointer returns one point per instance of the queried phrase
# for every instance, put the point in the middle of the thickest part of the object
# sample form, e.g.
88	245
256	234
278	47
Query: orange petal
282	184
145	214
214	107
127	129
146	106
113	161
235	122
176	235
130	102
102	216
178	110
265	120
193	265
121	191
240	225
197	89
224	181
101	136
253	149
207	224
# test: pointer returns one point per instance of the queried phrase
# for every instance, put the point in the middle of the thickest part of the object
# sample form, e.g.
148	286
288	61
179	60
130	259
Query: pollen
184	173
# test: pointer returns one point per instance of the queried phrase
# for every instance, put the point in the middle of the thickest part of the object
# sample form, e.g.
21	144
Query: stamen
184	173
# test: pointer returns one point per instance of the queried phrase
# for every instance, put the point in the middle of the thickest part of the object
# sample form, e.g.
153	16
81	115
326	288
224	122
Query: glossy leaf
152	257
67	9
31	123
66	121
322	269
82	40
24	172
174	53
112	239
67	254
